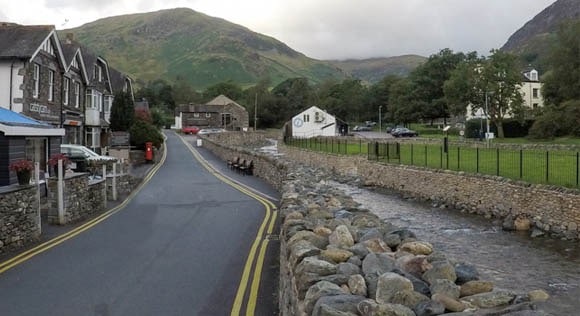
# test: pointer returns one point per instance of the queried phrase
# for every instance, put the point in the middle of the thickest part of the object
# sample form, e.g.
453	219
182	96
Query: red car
190	130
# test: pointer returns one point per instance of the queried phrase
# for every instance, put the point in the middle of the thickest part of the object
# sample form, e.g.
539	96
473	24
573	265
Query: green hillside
375	69
181	44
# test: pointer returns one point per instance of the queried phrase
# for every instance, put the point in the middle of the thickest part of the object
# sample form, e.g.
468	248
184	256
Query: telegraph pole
256	112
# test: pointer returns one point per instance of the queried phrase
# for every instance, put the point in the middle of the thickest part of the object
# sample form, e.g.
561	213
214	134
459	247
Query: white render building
314	122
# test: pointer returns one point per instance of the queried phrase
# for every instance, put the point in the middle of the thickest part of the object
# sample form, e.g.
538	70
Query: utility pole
256	112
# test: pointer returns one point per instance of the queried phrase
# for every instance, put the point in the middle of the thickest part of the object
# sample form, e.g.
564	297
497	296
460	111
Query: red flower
53	161
21	165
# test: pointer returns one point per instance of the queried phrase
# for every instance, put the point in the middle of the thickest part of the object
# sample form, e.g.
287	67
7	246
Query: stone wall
19	216
81	198
551	209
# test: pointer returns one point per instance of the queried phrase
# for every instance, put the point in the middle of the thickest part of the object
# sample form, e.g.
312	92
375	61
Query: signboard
120	139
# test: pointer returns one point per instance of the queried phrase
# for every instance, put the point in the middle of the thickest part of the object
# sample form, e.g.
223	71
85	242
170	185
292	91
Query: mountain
375	69
534	40
182	44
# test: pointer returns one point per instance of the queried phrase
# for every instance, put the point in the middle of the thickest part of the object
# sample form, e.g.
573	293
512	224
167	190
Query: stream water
509	259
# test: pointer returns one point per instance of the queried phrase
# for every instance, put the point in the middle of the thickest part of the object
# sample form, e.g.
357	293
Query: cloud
325	29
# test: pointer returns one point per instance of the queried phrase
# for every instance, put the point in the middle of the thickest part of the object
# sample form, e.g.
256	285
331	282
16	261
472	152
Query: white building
314	122
530	89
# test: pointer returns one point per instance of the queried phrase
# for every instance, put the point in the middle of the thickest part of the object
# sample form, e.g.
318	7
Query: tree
428	80
563	81
379	95
487	83
229	89
184	93
403	105
122	112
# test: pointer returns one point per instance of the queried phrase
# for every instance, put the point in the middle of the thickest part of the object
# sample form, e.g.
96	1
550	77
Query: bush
142	132
512	128
558	121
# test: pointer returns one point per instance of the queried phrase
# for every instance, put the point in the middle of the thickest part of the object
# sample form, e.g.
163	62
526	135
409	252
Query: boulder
415	265
429	308
318	290
336	255
490	299
450	303
315	265
465	273
443	286
347	269
538	296
376	245
341	237
341	303
379	263
409	298
322	231
417	247
475	287
302	249
357	285
318	241
390	284
360	250
440	270
372	308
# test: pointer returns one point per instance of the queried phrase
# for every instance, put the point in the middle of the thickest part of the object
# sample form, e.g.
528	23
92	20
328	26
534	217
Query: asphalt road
179	247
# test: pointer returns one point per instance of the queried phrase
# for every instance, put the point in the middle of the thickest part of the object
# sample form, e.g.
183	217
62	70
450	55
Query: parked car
190	130
205	131
403	132
80	156
362	129
370	123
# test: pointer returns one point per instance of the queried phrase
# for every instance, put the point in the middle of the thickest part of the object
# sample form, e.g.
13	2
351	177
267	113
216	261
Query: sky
322	29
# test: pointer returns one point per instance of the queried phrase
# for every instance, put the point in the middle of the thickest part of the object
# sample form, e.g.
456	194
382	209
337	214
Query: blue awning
16	124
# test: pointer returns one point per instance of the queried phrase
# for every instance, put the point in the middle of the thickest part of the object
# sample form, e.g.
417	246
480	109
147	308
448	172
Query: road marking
24	256
255	257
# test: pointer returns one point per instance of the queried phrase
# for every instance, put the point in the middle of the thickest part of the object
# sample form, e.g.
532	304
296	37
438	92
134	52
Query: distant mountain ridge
182	44
534	40
375	69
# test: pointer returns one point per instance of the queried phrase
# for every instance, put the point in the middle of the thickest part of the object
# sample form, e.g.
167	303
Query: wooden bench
233	163
247	168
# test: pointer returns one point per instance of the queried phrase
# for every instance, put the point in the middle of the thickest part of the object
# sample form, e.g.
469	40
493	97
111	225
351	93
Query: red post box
148	151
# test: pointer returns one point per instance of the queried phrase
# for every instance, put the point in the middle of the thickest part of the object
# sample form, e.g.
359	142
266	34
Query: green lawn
559	168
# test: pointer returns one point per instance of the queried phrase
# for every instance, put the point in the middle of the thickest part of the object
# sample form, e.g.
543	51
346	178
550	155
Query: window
306	117
535	93
77	93
75	63
47	47
207	114
535	105
93	137
36	78
50	85
108	103
195	114
66	89
95	72
94	99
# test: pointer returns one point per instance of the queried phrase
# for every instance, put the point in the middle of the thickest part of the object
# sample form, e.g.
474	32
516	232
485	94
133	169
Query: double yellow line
250	277
24	256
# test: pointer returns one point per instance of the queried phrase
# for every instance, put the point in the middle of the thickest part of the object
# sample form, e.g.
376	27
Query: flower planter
24	177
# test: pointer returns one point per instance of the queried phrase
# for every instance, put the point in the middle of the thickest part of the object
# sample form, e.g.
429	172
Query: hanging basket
24	177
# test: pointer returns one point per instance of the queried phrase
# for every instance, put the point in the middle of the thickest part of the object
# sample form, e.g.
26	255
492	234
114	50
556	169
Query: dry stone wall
19	216
81	198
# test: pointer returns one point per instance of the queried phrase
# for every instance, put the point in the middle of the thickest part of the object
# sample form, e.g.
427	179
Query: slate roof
22	40
117	80
69	49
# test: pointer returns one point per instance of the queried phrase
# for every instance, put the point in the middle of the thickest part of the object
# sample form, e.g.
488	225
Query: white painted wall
527	90
92	117
17	81
307	125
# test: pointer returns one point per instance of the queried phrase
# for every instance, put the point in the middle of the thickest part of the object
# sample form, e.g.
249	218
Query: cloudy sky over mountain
324	29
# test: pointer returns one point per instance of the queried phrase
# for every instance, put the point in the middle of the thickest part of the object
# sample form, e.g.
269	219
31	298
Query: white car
80	156
205	131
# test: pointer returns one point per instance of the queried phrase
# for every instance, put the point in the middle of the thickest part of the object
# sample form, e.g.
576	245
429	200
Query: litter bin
198	142
148	151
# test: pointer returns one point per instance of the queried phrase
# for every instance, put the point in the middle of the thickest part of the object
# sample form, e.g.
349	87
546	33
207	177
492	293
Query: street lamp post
380	120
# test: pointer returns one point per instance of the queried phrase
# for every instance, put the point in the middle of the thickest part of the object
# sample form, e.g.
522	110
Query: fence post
458	158
447	160
497	161
114	181
441	157
521	164
60	193
360	146
477	159
577	169
547	166
425	155
412	154
37	181
105	178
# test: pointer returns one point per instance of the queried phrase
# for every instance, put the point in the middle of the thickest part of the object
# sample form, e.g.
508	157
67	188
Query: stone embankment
338	259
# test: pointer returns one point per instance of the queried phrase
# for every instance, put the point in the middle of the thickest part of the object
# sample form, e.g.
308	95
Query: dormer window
534	75
47	47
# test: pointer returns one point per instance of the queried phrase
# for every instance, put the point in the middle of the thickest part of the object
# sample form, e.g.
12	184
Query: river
511	260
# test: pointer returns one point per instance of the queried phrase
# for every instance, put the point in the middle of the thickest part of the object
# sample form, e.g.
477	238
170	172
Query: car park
403	132
190	130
